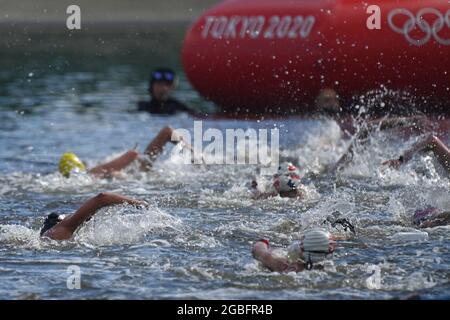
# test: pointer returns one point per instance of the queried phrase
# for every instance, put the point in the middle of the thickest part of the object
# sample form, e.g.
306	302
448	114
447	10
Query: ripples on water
194	240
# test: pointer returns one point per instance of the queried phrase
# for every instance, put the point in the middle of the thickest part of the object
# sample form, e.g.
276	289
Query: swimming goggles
163	76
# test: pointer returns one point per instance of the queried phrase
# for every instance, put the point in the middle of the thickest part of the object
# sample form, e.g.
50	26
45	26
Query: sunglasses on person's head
163	76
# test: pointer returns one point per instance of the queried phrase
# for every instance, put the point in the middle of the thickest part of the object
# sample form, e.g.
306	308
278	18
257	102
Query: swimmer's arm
279	264
389	123
343	160
423	145
89	208
428	144
420	124
383	124
341	237
165	135
272	261
417	122
106	169
177	138
440	220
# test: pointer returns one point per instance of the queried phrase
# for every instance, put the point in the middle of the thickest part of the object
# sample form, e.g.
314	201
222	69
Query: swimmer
432	144
286	183
57	227
162	82
316	245
430	218
70	162
327	104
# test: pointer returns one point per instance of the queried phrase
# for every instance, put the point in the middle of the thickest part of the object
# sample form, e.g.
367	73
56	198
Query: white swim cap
317	244
287	178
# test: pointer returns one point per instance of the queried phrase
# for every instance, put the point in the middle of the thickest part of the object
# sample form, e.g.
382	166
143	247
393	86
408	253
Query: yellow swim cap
68	162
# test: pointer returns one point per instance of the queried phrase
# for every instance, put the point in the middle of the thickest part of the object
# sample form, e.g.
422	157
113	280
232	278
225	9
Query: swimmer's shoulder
57	233
49	234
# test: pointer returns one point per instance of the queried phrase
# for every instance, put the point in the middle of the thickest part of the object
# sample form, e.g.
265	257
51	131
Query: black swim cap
162	74
52	220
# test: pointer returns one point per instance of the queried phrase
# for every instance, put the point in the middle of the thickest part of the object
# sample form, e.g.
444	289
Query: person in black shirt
162	83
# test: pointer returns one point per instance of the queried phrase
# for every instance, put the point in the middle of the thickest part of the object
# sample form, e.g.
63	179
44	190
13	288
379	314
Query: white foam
417	236
125	225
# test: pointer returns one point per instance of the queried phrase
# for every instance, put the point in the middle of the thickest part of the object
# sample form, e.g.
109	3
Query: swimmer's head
317	244
327	102
287	179
421	216
68	163
162	82
52	220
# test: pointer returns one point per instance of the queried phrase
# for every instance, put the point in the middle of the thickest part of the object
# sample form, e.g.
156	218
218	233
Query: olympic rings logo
418	20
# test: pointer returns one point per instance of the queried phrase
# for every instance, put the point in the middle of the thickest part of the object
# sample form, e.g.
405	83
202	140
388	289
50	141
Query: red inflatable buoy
274	56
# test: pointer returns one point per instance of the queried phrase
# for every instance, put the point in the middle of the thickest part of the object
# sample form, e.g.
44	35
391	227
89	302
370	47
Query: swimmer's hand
175	137
178	139
393	163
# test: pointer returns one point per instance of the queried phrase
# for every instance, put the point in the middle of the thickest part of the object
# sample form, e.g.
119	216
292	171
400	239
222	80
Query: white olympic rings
419	21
